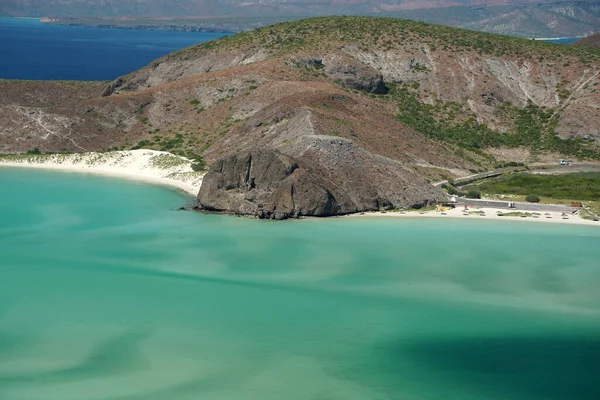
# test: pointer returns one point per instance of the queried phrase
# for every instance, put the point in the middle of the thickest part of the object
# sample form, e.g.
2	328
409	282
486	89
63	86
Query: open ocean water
107	292
30	49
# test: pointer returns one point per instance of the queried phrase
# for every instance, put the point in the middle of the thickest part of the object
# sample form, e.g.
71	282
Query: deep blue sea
30	49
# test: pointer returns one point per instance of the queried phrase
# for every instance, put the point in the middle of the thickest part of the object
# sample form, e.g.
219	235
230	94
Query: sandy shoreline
489	214
149	166
166	169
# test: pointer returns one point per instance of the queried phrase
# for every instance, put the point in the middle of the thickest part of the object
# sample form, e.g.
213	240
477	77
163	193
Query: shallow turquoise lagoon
107	292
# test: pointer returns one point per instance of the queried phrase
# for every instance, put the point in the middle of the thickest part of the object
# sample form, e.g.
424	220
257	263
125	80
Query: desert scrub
166	161
26	157
532	126
515	214
385	33
578	186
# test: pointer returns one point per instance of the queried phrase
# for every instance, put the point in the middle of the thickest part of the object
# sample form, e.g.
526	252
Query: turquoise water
108	292
32	50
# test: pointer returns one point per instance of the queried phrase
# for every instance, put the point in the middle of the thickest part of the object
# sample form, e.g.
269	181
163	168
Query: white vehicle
562	162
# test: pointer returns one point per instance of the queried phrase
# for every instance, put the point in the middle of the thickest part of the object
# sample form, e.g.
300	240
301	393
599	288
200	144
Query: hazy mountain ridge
523	18
167	8
332	102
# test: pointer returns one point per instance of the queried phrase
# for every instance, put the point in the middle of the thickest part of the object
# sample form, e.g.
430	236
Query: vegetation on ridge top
390	33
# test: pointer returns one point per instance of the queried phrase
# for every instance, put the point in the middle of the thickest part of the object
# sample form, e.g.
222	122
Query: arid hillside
593	40
329	115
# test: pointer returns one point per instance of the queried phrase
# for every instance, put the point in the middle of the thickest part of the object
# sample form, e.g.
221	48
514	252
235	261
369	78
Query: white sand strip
488	213
151	166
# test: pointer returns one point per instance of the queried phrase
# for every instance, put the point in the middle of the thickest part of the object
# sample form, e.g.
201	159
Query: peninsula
328	116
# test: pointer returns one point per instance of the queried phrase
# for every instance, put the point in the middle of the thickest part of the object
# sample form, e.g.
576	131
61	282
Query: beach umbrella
548	215
564	216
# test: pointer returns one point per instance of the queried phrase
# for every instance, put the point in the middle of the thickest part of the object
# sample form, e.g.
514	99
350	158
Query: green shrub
197	166
474	194
532	199
575	186
452	190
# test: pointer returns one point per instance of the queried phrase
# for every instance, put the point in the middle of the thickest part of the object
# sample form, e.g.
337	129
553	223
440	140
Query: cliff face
328	116
327	176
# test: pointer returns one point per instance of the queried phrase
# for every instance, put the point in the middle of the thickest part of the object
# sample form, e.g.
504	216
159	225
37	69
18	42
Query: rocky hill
329	116
592	40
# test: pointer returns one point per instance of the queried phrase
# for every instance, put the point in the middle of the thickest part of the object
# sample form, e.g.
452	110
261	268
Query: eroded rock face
329	176
354	74
346	70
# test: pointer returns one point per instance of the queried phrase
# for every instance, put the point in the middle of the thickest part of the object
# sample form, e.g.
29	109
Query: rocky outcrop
345	70
354	74
328	176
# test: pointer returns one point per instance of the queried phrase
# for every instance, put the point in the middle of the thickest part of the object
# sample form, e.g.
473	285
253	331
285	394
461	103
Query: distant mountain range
526	18
179	8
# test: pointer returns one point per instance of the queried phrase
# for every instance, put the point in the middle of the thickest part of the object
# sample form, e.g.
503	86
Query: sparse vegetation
533	127
308	34
473	194
578	186
165	161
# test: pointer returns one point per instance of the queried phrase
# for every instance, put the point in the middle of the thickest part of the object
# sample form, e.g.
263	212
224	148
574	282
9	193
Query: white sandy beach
163	168
151	166
488	213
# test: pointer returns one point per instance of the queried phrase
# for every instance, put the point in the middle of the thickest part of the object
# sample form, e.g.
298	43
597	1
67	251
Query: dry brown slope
592	41
478	71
